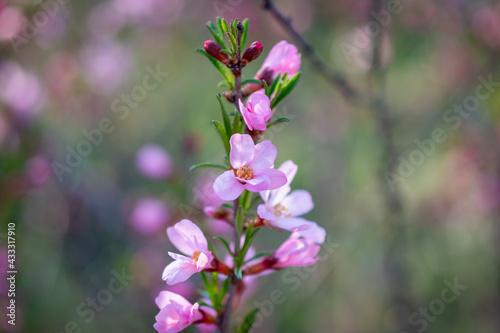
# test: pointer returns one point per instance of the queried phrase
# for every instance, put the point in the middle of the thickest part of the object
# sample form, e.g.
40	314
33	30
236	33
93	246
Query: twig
394	262
328	73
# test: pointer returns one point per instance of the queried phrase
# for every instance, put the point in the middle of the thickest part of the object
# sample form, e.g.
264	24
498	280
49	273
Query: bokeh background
67	66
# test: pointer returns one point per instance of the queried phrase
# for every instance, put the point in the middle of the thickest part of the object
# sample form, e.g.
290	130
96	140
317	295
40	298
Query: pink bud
214	50
252	53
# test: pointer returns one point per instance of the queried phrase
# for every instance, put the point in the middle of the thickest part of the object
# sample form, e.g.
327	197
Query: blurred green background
76	229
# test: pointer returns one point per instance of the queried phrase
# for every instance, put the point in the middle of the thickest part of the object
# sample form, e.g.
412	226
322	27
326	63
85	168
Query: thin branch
328	73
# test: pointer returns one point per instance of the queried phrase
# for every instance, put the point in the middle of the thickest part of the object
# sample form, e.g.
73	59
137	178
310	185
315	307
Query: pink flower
176	313
251	168
296	251
282	208
154	162
189	239
283	58
149	215
257	112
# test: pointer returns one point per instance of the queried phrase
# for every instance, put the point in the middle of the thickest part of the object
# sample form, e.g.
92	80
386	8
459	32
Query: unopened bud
214	50
252	53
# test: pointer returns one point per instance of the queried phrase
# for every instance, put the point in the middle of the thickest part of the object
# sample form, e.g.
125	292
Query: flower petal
242	150
292	223
264	213
265	154
258	184
289	169
227	187
178	271
298	202
164	298
187	237
276	177
315	233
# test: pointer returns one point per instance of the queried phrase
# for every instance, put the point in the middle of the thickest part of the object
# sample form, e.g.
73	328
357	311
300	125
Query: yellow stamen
244	173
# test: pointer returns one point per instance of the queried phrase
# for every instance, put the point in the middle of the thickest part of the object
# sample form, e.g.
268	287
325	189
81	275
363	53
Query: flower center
281	211
196	255
244	173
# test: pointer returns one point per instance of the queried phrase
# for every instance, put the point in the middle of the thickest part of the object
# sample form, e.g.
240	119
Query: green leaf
225	118
234	28
220	67
251	81
257	256
278	121
225	244
247	323
207	165
239	222
223	26
227	205
234	43
272	88
245	32
224	288
216	34
286	90
222	135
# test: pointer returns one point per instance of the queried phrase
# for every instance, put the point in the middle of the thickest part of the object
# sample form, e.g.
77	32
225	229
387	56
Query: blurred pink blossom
149	215
103	21
154	162
486	24
38	169
283	58
106	65
11	22
149	12
20	90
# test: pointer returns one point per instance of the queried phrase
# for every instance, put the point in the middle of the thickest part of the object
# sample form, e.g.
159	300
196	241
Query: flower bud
252	53
214	50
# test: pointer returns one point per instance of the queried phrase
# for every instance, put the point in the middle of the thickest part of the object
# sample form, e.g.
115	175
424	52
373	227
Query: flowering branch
249	168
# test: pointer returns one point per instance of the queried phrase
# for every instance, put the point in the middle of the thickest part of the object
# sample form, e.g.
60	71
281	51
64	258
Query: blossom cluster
249	169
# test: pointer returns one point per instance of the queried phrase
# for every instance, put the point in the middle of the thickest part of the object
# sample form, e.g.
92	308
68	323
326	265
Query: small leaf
232	40
227	205
245	32
251	81
222	135
225	74
272	88
207	165
223	26
225	287
225	118
247	323
216	34
228	248
280	120
287	89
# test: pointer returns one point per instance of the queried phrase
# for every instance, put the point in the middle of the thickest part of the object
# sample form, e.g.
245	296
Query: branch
328	73
224	318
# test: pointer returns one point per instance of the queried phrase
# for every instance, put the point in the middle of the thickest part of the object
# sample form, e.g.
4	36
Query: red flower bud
214	50
252	53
